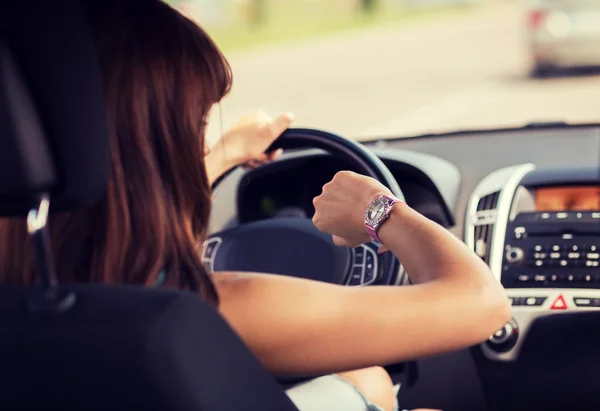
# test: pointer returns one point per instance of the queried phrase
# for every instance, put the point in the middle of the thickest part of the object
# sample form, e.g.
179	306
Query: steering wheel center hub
288	246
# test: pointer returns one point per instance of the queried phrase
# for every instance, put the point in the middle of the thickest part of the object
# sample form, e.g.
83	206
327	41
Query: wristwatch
377	213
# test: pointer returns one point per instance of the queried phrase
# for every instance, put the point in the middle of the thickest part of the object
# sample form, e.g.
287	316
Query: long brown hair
162	75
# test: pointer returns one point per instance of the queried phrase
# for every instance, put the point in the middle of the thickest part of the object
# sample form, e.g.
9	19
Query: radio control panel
555	250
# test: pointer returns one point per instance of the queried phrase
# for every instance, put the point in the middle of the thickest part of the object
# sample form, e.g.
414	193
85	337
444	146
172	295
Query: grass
290	24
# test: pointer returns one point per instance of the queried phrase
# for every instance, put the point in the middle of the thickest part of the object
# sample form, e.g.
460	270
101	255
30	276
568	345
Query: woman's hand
245	143
340	209
250	137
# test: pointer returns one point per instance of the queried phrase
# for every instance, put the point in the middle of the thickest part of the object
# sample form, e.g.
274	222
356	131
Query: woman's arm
298	326
217	162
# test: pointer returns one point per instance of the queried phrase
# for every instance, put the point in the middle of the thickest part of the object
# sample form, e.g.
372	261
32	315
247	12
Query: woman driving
162	76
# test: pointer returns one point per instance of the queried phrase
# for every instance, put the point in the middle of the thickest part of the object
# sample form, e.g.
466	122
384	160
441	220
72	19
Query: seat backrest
128	348
114	347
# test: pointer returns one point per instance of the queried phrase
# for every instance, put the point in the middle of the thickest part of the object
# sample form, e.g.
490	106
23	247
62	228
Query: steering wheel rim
232	249
359	155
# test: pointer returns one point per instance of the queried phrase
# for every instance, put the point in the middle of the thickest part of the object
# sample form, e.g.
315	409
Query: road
456	72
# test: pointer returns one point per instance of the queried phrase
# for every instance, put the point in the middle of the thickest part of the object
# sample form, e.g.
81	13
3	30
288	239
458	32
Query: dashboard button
514	255
588	279
500	335
370	266
562	263
359	255
505	338
356	276
535	301
369	276
520	233
517	301
559	303
370	260
210	248
584	302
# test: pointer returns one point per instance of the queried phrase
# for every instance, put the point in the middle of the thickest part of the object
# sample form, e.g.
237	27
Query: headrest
53	128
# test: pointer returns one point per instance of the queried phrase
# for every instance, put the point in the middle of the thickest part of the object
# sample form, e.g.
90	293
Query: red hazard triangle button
559	303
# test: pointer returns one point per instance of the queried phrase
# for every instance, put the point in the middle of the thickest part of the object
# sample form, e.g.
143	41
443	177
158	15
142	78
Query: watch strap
372	232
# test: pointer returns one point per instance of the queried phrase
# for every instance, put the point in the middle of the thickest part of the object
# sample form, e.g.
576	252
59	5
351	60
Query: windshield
395	68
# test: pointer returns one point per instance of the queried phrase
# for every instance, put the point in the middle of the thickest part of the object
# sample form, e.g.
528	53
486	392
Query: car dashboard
287	187
527	201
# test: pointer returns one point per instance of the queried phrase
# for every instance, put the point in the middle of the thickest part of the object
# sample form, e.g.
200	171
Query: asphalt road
444	73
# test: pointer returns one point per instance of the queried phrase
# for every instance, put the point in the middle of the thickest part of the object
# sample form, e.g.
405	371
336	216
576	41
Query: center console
539	231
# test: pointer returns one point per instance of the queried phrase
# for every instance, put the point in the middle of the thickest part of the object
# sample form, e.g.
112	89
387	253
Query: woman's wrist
218	161
399	212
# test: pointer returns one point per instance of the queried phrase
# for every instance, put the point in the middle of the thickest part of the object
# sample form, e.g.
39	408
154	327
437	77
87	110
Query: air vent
484	220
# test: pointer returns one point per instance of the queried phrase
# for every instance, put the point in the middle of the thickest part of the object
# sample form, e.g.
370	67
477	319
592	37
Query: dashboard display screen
573	198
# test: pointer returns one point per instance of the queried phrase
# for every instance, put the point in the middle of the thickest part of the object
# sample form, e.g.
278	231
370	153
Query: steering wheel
293	246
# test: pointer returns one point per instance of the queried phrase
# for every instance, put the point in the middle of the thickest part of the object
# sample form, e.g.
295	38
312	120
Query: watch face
376	211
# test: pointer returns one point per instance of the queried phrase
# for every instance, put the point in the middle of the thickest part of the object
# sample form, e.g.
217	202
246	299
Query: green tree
258	12
368	6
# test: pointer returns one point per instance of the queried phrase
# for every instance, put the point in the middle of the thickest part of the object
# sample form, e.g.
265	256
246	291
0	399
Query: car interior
533	215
